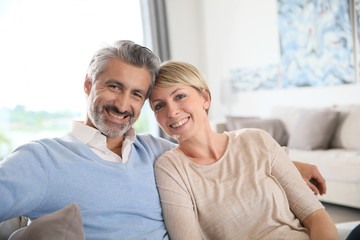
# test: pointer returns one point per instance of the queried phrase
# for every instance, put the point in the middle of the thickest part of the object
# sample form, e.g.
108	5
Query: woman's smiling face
180	110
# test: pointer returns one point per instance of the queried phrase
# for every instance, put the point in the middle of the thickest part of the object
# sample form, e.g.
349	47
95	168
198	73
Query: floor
341	214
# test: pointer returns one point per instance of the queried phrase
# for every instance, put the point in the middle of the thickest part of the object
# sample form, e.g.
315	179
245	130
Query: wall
186	32
216	35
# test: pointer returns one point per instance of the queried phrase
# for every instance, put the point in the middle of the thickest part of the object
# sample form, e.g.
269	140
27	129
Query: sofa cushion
334	164
236	122
274	127
347	134
287	114
313	129
65	224
347	228
9	226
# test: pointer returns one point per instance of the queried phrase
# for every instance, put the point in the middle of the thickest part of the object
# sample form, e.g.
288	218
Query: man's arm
312	177
23	181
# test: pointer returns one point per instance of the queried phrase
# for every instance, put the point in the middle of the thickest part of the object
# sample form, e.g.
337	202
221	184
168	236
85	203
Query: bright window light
45	49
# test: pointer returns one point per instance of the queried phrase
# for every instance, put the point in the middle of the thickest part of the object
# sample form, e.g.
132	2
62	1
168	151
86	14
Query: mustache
116	110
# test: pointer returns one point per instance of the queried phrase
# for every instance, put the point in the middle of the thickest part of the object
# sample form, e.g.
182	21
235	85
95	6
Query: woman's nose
173	109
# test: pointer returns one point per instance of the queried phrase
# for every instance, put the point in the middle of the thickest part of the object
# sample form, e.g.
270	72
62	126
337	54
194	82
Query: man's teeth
179	124
116	116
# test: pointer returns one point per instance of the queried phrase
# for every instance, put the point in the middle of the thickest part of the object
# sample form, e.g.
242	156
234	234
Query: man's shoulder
151	139
154	143
44	144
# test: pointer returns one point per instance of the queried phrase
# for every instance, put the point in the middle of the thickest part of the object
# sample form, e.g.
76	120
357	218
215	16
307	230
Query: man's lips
117	116
180	123
115	113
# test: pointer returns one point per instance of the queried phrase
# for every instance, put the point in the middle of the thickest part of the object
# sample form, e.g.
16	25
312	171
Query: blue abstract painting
316	43
254	78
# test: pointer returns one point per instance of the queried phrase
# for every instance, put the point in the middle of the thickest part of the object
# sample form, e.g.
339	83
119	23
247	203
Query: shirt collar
87	134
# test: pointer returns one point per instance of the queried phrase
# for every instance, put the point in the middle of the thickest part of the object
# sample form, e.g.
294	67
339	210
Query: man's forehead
126	75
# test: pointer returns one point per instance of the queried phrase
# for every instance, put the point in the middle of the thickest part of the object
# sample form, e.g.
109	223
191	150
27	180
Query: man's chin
114	130
115	133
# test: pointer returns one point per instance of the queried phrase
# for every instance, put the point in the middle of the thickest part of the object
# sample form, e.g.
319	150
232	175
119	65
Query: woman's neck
205	148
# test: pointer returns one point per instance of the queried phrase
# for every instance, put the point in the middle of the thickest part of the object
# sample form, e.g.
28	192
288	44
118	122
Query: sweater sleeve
179	215
23	181
301	199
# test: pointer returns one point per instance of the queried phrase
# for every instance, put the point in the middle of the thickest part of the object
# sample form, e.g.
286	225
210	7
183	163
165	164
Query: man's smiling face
115	99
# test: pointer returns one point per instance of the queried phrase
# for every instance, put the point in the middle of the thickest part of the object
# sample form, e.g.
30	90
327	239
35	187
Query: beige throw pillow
65	224
347	134
274	127
313	129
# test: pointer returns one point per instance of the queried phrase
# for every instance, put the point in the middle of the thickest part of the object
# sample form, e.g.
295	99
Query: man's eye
114	87
138	95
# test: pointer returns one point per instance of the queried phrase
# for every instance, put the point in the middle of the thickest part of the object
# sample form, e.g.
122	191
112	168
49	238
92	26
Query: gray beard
106	127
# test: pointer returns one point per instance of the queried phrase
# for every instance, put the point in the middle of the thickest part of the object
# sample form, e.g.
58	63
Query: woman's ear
87	85
207	99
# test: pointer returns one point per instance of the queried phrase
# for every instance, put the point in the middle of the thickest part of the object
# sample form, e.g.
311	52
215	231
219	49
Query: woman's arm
302	201
178	211
320	226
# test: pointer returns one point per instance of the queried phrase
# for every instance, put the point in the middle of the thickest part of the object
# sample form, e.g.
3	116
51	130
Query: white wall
186	32
217	35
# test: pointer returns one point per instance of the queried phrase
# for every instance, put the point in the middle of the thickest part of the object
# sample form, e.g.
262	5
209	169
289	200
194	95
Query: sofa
328	137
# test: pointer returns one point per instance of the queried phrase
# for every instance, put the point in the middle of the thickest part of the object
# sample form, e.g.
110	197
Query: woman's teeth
179	124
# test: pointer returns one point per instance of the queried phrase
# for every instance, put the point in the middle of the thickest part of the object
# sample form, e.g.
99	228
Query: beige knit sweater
252	192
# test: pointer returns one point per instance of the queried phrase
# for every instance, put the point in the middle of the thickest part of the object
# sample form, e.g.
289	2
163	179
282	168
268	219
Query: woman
236	185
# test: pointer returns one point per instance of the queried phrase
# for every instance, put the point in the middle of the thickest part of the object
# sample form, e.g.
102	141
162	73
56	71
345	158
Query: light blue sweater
117	201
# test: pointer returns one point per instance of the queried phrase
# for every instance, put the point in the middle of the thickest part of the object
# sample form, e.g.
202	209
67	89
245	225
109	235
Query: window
45	50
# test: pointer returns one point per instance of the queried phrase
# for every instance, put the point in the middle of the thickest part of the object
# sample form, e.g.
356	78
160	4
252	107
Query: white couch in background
326	137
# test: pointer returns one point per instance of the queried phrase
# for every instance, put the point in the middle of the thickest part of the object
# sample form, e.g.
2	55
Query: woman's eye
180	96
158	106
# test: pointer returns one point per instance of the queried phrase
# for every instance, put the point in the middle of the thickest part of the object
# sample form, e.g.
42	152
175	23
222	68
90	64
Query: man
100	164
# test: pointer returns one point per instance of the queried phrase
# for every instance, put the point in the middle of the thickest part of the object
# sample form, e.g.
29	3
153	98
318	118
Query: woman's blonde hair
174	73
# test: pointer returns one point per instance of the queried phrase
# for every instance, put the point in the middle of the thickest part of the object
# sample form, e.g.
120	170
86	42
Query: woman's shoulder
248	133
169	157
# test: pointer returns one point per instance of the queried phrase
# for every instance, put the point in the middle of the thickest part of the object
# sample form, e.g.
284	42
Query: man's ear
87	85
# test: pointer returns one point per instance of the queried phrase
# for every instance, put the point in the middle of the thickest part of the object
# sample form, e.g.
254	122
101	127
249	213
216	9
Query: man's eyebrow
141	92
116	82
120	84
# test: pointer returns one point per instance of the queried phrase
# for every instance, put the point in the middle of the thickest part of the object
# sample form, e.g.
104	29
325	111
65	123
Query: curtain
155	27
156	34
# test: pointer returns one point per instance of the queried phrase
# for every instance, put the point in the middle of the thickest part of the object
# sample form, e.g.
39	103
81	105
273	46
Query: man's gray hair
130	53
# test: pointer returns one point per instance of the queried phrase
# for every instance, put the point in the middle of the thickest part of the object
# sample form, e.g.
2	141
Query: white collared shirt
96	141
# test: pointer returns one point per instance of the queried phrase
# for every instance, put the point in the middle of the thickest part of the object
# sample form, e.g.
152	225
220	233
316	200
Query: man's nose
123	102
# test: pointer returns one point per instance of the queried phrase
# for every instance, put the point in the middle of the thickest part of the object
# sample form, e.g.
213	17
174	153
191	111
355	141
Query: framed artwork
255	78
316	43
318	47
